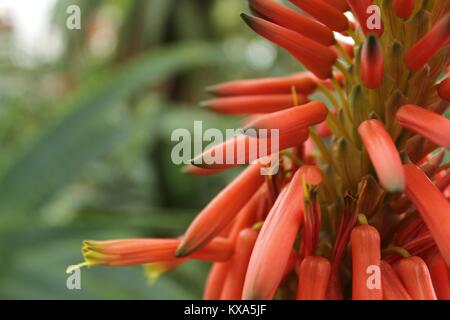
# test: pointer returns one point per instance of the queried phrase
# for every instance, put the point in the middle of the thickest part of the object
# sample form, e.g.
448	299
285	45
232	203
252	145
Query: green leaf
93	126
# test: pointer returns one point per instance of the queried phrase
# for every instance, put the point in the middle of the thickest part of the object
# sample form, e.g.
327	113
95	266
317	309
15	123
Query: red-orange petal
127	252
221	210
403	8
245	149
303	82
372	63
383	154
281	15
426	123
316	57
253	104
324	13
293	119
275	242
432	206
426	48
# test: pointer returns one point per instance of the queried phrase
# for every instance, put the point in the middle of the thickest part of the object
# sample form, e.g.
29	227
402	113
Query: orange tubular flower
441	279
318	58
127	252
325	13
293	119
253	104
393	288
232	289
444	89
244	149
403	8
430	44
215	281
274	244
416	278
432	206
304	83
313	274
281	15
364	16
384	154
372	63
366	254
428	124
220	211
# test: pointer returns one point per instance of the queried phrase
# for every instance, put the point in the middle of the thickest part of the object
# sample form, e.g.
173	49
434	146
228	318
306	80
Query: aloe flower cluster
359	208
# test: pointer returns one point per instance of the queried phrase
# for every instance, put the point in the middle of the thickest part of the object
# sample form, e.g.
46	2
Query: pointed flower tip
182	251
247	18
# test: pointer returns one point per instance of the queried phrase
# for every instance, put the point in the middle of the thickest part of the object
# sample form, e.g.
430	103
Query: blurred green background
85	138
